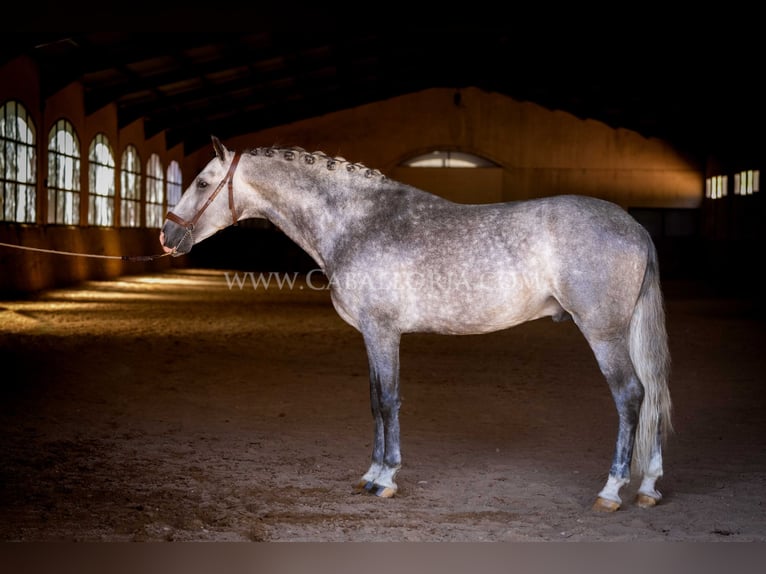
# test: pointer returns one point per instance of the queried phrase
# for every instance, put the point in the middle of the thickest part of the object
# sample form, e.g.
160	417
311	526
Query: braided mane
318	158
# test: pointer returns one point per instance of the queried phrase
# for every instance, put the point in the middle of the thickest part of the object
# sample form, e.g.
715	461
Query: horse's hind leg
383	356
628	393
648	495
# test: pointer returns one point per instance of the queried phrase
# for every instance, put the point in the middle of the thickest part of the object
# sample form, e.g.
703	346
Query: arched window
63	174
18	164
447	158
101	182
130	188
174	184
458	176
155	192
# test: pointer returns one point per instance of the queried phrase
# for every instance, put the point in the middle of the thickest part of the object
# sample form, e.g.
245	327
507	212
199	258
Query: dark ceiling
194	84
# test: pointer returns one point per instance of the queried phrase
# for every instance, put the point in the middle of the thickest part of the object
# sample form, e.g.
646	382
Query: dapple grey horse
401	260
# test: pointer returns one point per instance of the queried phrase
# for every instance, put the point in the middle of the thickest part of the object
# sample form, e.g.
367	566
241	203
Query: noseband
229	178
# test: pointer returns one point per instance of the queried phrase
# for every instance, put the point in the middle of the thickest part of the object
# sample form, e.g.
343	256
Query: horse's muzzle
175	239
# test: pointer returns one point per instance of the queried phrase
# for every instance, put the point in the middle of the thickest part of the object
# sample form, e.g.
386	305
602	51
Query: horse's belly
474	315
444	304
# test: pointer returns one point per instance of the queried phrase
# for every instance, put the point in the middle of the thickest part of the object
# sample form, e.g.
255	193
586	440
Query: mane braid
311	158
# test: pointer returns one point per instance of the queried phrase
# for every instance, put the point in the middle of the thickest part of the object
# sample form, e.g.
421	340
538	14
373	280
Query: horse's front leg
383	356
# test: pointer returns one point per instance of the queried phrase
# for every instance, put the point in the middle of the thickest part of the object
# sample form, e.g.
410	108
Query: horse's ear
220	149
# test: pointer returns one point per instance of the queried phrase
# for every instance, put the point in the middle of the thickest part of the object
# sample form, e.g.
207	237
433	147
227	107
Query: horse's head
201	212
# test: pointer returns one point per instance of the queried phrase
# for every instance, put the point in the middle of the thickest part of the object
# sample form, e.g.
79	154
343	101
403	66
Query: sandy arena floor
171	407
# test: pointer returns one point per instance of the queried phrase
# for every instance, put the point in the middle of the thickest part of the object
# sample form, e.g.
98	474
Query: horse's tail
651	360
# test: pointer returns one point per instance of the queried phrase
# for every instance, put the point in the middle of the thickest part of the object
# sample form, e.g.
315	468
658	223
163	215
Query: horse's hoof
645	501
385	492
377	489
604	505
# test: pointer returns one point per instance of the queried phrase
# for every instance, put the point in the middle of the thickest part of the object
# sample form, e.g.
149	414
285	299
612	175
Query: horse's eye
201	183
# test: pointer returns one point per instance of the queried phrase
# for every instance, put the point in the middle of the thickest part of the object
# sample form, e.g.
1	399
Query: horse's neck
312	206
301	225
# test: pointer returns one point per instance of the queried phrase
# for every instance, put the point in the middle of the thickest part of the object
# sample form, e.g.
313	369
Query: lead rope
92	255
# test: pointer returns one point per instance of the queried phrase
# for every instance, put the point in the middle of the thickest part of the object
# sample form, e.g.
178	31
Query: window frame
154	197
716	187
100	204
19	148
66	196
447	159
174	185
747	182
130	187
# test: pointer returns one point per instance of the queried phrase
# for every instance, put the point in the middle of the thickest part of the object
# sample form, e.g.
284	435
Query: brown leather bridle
229	178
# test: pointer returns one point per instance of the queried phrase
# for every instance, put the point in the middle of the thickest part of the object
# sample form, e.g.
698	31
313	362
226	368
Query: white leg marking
372	473
611	490
379	480
386	478
652	474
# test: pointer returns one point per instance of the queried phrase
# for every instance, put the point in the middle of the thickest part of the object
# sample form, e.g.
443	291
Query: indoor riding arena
216	393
